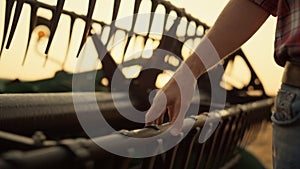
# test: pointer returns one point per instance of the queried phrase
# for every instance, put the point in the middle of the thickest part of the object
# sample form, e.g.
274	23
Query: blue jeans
286	128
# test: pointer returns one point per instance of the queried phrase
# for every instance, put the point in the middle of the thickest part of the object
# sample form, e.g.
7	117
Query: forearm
239	20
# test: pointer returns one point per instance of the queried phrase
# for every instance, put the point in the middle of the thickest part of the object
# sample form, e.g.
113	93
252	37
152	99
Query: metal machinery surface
41	130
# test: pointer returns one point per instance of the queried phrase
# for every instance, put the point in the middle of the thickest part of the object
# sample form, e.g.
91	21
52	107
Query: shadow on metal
239	126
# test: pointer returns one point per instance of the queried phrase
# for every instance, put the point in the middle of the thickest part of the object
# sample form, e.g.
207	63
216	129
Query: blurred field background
261	148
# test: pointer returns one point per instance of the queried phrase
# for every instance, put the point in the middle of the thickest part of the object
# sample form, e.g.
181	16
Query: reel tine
73	17
54	22
137	5
8	9
17	14
33	19
88	22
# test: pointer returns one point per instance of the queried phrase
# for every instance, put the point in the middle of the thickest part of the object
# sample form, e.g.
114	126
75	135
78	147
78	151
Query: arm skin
238	21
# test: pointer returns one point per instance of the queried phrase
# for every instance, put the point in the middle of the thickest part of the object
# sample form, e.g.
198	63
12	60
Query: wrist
203	58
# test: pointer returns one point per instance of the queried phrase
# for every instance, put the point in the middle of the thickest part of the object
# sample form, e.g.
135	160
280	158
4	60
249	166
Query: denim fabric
286	128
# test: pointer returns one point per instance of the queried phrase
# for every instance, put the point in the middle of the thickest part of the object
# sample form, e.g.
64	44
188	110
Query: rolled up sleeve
268	5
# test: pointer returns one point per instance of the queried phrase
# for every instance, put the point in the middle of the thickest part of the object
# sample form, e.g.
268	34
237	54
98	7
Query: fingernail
175	132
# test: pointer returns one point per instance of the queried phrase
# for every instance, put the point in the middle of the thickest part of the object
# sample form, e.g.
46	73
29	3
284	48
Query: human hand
175	97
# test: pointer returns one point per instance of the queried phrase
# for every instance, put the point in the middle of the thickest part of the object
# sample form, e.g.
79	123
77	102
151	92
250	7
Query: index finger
157	108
